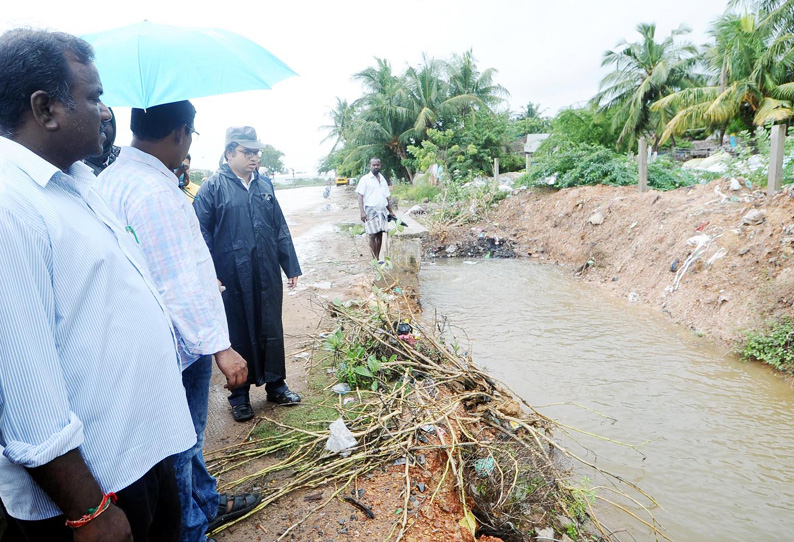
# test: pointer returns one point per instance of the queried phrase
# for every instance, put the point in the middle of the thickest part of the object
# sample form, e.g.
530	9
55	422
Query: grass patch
316	410
416	193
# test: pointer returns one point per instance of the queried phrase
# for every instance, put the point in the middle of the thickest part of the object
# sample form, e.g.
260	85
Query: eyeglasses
190	130
249	153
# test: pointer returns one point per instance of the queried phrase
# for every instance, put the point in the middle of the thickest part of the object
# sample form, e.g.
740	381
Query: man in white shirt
89	372
373	202
143	191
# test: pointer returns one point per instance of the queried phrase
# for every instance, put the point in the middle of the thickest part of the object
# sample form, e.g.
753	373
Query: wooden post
496	169
776	159
642	165
527	156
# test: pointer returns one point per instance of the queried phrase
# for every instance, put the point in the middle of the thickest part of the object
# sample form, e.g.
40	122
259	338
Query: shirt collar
36	167
136	155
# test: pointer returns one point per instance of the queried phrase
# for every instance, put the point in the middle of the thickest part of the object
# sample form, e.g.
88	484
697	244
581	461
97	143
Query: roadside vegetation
773	345
449	118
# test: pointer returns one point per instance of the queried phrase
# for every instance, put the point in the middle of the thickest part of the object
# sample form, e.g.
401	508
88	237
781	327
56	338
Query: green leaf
363	371
374	386
374	364
468	521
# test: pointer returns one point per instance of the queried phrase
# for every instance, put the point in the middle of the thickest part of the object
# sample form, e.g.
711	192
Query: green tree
469	89
751	63
342	117
271	160
645	72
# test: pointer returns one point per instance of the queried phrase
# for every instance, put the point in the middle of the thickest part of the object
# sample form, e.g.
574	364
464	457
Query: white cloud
548	52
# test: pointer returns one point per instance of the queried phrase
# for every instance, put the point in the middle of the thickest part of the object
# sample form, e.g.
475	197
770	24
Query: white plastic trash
341	439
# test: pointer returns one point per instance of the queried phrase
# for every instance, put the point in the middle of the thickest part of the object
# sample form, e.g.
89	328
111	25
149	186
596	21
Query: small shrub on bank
562	164
774	345
416	193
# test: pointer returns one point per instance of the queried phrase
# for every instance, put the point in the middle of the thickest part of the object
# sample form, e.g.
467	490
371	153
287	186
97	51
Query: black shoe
242	412
284	396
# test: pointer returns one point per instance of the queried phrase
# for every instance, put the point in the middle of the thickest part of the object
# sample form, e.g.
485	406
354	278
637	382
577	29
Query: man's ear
44	110
180	134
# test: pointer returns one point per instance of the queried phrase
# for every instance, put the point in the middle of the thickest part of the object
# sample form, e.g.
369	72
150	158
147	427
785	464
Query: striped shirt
88	358
145	196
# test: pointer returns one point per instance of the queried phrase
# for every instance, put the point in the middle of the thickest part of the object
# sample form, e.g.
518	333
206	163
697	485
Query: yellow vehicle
342	181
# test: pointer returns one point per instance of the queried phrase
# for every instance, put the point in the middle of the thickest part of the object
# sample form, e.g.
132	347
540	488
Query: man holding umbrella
250	243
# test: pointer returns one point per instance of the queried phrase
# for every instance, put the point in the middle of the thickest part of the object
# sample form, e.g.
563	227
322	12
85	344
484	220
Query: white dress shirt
88	358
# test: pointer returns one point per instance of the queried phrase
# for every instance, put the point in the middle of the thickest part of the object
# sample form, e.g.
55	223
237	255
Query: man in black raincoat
250	244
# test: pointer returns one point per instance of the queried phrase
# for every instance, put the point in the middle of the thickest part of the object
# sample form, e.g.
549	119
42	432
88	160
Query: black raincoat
250	244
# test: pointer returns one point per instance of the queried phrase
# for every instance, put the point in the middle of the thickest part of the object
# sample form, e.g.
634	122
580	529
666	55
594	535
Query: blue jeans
197	492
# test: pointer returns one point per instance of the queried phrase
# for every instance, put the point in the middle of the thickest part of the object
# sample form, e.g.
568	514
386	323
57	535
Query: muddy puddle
714	437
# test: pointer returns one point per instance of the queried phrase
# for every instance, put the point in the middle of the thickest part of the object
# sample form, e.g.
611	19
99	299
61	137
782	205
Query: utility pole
642	165
776	159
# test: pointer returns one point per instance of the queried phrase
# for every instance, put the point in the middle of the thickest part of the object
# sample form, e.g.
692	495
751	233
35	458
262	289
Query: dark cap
159	121
245	136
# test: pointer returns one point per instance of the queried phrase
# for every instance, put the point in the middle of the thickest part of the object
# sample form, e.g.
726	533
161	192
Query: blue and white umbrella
148	64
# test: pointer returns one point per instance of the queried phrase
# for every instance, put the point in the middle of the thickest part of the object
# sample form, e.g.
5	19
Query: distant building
532	144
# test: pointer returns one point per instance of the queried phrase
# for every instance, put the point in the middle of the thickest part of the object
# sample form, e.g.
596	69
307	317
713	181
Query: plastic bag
341	439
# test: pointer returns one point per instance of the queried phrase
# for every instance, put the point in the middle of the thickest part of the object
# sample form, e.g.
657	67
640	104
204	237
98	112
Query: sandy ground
637	245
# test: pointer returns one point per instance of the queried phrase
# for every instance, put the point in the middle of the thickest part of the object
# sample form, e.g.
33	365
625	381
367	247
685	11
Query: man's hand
363	216
233	367
292	282
221	287
110	526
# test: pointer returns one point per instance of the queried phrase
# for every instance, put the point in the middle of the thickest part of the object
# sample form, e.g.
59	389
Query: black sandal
242	412
242	504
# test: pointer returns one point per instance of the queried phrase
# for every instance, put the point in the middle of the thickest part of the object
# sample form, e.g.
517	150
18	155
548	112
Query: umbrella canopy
148	64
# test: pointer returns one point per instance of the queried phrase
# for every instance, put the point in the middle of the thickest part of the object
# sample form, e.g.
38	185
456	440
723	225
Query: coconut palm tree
751	73
342	117
470	89
645	72
385	122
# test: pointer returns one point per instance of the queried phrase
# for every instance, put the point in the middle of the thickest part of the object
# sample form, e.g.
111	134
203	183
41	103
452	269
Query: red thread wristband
93	513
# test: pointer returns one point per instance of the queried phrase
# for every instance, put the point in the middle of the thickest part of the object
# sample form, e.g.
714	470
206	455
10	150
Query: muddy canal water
715	434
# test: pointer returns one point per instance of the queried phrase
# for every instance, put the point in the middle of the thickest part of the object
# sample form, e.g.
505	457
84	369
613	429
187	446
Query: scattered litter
330	370
469	262
303	355
341	389
674	265
719	254
451	249
416	210
429	429
633	225
420	486
484	467
341	439
701	243
348	400
514	425
735	185
754	217
634	297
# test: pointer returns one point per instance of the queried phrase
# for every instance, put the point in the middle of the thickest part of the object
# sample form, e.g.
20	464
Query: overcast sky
547	52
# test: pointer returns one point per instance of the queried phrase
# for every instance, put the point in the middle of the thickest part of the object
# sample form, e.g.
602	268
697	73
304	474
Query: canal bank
715	260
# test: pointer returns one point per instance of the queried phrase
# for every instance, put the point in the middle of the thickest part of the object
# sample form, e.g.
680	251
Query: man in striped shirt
143	191
88	358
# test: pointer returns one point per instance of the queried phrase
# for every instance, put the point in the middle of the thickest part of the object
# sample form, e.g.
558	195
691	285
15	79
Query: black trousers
151	504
